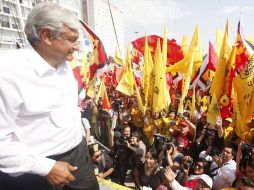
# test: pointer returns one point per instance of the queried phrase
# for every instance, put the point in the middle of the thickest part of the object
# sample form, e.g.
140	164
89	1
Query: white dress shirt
225	175
39	115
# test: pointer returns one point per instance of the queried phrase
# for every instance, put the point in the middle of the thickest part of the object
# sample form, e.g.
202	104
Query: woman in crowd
149	174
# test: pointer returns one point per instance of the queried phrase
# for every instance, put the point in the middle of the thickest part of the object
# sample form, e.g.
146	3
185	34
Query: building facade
107	22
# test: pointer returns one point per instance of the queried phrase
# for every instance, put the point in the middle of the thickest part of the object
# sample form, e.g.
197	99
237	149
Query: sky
182	16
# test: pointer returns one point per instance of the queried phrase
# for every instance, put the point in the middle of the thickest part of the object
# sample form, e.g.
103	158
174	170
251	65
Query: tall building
13	14
107	22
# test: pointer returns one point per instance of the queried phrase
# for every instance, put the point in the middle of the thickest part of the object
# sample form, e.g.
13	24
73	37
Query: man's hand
217	160
60	174
169	174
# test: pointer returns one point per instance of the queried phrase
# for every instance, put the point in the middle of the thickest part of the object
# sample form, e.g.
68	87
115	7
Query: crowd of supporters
166	150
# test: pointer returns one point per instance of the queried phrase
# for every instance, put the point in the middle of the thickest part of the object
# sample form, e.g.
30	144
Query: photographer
172	155
121	153
138	149
226	168
212	135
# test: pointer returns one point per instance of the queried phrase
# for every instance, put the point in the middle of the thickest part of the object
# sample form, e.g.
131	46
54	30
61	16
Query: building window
20	1
5	22
6	10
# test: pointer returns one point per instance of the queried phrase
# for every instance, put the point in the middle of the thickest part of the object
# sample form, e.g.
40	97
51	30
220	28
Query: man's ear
46	35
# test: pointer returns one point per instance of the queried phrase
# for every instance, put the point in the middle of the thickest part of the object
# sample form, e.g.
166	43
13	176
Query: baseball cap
229	119
183	123
206	179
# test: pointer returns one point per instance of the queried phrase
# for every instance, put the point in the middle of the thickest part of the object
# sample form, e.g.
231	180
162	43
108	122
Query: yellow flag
186	84
140	102
219	38
240	127
185	44
127	81
198	54
244	88
213	111
183	65
218	83
148	66
91	92
189	67
158	80
85	68
118	58
166	96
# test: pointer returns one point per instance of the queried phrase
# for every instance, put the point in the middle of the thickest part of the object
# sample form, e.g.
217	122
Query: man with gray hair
41	143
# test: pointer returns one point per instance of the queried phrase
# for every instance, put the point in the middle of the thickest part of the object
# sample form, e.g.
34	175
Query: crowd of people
168	150
43	144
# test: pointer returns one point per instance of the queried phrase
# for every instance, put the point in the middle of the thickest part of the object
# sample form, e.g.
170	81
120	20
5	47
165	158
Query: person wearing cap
185	135
204	182
228	129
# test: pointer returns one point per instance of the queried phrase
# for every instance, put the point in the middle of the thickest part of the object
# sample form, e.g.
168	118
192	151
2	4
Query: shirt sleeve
15	157
176	186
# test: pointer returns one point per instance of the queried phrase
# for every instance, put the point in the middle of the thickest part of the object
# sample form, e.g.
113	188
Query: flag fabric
213	111
174	51
183	65
240	127
217	85
102	93
99	57
166	96
212	58
148	81
117	75
140	102
225	99
76	73
198	54
243	56
85	69
244	89
219	39
127	81
185	44
158	101
118	59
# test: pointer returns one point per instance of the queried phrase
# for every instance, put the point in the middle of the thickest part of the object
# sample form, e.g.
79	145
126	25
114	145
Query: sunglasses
97	156
198	166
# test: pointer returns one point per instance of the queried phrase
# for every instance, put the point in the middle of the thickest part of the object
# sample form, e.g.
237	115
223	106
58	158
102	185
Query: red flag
100	56
174	53
212	58
242	55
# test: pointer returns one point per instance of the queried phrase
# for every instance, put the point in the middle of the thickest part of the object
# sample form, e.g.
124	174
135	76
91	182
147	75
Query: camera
161	140
188	164
122	140
214	151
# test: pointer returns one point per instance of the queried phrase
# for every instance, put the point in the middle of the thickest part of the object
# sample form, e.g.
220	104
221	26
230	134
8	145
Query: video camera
122	140
161	140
